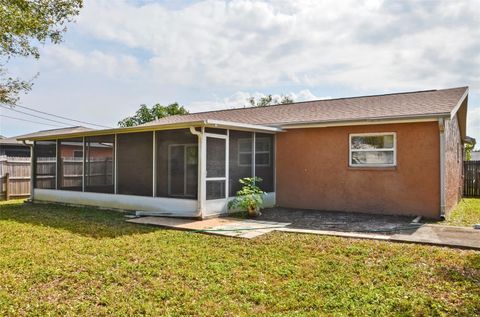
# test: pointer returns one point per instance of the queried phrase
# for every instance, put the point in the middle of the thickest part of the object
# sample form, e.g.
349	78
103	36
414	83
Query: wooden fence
471	186
15	174
14	177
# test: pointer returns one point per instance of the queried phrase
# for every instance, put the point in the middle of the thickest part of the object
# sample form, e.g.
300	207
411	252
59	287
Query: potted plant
249	198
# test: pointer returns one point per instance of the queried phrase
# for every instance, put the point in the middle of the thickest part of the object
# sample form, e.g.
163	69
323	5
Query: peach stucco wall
312	171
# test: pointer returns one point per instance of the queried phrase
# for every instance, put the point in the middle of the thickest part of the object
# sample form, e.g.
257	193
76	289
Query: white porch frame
163	206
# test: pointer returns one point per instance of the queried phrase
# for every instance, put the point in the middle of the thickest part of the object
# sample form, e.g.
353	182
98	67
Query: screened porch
185	171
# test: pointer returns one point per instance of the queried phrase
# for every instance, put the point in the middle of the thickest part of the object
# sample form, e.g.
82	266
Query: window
78	154
373	149
262	152
240	159
244	152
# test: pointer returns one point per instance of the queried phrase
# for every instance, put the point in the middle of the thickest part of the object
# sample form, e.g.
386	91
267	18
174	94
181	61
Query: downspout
201	199
441	127
32	168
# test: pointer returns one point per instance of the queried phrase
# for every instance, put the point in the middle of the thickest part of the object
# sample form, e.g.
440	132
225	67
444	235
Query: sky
215	54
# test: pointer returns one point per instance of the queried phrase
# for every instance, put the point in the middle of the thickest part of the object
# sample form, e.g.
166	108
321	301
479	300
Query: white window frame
252	152
394	149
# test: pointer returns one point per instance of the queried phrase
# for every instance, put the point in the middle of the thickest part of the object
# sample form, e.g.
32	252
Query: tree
145	114
468	151
24	24
269	100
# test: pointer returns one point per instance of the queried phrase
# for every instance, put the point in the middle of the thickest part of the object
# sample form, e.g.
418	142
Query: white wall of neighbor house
167	206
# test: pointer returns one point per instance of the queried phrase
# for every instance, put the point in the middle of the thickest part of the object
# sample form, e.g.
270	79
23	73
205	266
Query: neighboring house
389	154
475	156
11	147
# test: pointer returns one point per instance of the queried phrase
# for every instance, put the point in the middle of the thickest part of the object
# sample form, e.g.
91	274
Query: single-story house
397	153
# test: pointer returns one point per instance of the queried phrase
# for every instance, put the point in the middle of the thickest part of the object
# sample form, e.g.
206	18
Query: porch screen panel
240	159
177	164
216	170
70	164
264	160
99	164
135	163
215	190
45	155
215	157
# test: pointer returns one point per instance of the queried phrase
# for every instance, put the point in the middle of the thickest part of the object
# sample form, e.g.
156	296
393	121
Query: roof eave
366	121
171	126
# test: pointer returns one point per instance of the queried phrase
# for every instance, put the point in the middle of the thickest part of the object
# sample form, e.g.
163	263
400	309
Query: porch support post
202	169
154	169
84	156
115	166
32	169
441	127
227	165
56	163
254	141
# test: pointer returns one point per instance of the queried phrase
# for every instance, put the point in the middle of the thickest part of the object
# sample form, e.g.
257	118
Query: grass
466	213
69	261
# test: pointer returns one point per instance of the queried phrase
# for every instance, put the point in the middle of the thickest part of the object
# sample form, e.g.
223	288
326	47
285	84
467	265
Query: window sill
372	168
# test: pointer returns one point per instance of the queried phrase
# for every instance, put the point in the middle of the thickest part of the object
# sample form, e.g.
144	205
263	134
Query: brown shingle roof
408	104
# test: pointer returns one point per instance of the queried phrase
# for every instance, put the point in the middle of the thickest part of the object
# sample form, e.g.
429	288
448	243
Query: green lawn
466	213
77	261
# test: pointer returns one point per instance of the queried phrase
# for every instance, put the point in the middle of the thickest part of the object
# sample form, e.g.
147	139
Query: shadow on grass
90	222
470	272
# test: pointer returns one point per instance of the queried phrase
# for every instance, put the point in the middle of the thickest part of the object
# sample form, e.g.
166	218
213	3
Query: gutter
202	167
441	128
365	121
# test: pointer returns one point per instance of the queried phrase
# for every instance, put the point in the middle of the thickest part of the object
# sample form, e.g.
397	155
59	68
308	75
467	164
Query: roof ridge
314	100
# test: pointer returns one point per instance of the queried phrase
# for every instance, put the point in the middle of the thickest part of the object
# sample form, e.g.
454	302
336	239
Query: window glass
377	157
45	162
264	167
99	164
135	163
240	158
177	164
372	150
372	142
70	164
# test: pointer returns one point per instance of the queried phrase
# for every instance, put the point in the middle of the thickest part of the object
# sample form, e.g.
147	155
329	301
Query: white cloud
121	54
64	58
473	124
240	99
365	45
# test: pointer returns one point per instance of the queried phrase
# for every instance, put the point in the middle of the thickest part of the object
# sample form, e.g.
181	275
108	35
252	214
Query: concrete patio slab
231	227
458	237
446	236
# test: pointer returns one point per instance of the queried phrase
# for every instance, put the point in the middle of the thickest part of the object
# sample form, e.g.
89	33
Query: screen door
216	167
